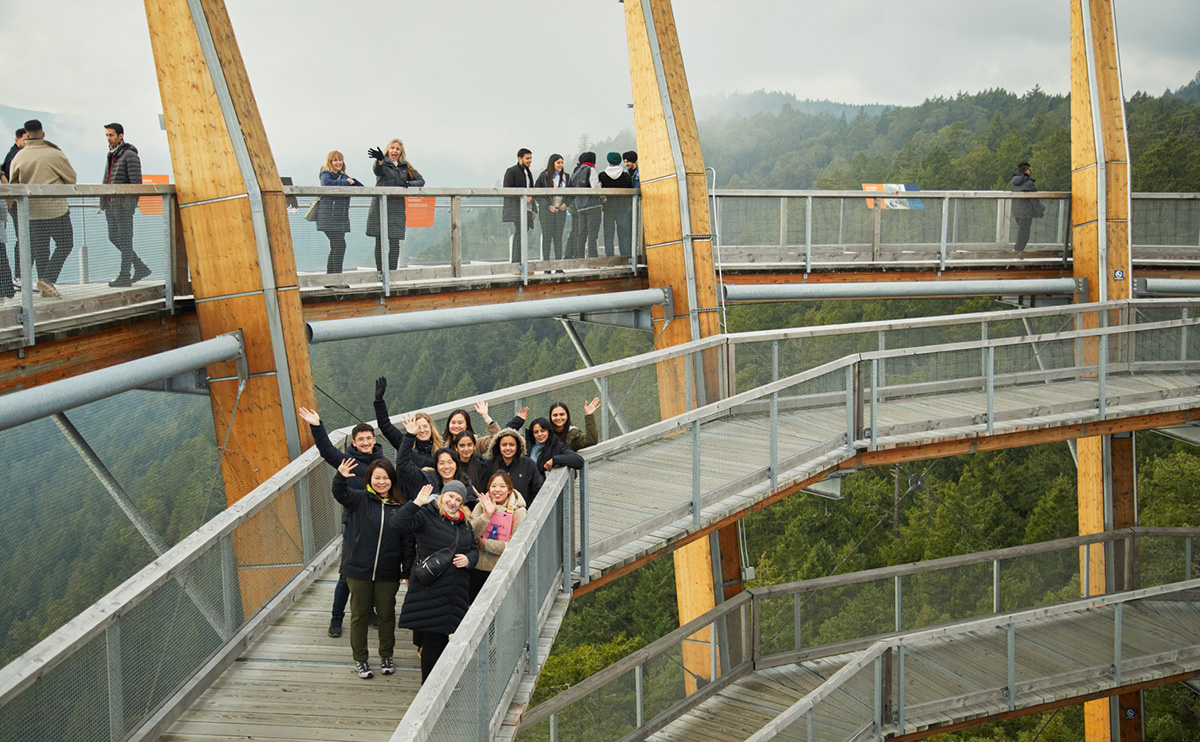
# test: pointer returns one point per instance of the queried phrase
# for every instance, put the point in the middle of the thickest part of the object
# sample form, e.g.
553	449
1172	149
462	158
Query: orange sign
418	211
152	204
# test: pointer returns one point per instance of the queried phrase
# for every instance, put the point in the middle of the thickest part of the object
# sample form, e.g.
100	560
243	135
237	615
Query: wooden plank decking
296	683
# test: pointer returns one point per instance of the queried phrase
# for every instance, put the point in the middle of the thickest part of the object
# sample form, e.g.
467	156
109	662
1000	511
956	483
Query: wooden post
1100	206
679	255
234	225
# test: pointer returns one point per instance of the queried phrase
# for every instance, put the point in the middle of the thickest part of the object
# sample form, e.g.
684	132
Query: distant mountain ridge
727	105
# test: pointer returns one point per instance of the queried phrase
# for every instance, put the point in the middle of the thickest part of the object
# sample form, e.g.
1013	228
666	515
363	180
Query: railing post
1187	555
604	408
26	261
878	229
991	389
696	519
522	226
995	586
567	525
774	417
1183	333
168	252
639	691
230	590
783	225
878	723
456	236
116	688
797	604
874	401
84	268
1012	666
900	692
808	241
483	677
899	604
841	220
308	546
1117	625
883	361
385	263
1102	392
851	388
811	724
945	232
553	727
635	239
531	563
1087	570
585	540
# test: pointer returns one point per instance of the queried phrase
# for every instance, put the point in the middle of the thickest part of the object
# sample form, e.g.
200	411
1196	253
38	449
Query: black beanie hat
630	156
588	157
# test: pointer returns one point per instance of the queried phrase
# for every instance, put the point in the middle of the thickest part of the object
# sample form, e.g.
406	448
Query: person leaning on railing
379	556
433	608
363	449
333	212
494	520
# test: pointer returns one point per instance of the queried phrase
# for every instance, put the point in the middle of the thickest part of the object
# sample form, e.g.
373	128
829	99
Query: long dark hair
458	472
394	492
497	457
566	426
446	434
468	433
550	168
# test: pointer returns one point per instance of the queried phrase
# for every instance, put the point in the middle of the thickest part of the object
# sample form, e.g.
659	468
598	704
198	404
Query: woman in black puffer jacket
434	611
377	554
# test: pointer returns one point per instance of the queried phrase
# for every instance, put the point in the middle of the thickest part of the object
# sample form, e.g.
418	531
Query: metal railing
133	659
873	612
457	233
153	239
832	229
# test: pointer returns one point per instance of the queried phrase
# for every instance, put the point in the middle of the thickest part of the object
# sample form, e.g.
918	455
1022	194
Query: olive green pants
362	594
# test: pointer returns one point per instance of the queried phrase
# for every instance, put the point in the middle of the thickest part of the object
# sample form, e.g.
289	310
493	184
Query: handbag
427	569
311	214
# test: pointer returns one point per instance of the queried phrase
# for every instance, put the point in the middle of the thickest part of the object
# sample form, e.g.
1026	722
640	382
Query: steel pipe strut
781	292
361	327
28	405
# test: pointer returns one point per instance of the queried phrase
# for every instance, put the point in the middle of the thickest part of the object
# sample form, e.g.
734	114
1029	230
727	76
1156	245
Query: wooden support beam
234	227
1100	208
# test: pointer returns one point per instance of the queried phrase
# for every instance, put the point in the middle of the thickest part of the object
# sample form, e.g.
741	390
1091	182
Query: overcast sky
465	83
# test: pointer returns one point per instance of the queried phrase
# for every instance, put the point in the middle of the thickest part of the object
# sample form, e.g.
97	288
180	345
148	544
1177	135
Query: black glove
375	153
380	387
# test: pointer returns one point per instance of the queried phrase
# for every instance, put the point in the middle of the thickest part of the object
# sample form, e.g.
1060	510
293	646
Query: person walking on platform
392	170
519	176
41	162
585	210
123	167
1024	210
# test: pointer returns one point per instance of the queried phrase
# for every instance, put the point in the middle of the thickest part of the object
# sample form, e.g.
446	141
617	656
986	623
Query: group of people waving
438	518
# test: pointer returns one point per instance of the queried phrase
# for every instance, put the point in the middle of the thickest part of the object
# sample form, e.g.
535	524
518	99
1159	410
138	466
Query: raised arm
325	447
389	431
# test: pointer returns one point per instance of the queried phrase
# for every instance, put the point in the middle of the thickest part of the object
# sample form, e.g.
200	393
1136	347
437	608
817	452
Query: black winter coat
333	212
515	177
439	606
525	475
557	450
376	546
334	458
123	166
413	477
391	175
420	451
1025	208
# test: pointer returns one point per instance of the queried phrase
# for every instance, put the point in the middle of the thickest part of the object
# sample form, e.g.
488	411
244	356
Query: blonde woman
333	212
392	170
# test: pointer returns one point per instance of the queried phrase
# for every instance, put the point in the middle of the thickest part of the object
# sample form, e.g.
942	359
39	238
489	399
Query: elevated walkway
233	593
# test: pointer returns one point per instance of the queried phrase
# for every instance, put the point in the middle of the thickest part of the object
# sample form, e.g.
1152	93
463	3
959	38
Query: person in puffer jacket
378	554
433	611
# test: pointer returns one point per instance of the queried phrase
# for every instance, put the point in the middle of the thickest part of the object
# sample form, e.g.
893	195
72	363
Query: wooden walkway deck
962	676
625	526
296	683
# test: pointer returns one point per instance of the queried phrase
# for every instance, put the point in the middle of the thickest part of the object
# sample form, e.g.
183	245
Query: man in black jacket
123	167
1024	210
519	176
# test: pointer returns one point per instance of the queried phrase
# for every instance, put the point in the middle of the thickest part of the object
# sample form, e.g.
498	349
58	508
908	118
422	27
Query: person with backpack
585	210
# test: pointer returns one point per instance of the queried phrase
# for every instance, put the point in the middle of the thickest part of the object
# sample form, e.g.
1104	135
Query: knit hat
587	157
454	486
614	158
630	156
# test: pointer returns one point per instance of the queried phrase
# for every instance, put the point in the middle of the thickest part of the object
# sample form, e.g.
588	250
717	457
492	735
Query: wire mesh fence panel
667	679
1038	579
811	418
1039	654
40	715
844	222
1162	225
750	221
1164	559
915	231
945	595
777	623
843	714
460	717
608	713
972	225
485	237
845	613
